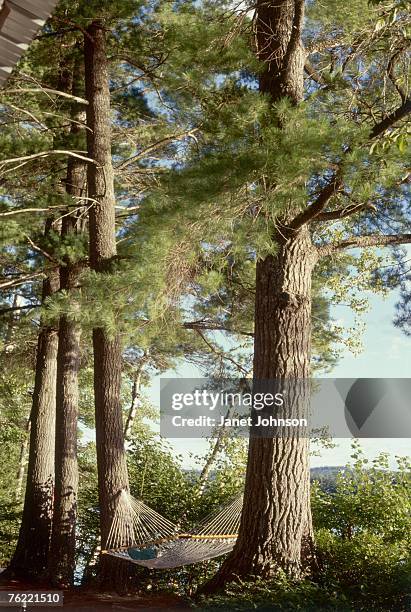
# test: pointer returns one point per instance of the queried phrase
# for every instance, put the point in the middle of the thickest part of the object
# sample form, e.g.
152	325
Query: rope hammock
144	537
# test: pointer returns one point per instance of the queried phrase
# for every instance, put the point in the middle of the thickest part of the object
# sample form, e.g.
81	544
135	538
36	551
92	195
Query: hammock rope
140	535
137	525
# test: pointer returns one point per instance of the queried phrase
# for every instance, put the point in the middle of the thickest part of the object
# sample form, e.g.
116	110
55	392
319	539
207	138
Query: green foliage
15	399
10	518
363	527
366	569
353	510
281	594
332	16
158	478
9	231
363	531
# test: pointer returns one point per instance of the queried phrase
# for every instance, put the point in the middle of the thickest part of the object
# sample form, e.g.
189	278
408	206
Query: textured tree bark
31	556
63	541
278	26
62	551
276	527
8	345
111	458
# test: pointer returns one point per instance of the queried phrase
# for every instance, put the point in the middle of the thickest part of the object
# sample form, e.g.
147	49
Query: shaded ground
86	600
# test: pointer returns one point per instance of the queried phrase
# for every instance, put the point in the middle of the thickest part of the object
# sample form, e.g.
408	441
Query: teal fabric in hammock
142	554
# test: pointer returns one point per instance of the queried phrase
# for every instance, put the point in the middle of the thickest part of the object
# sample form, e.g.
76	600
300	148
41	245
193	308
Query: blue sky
386	354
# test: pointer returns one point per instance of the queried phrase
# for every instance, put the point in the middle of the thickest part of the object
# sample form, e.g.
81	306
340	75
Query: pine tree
293	175
62	545
276	519
31	555
62	558
111	458
276	528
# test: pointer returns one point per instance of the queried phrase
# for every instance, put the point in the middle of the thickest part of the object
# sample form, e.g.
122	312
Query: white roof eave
20	21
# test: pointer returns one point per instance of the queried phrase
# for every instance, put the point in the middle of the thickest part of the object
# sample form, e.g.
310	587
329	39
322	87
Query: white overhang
20	21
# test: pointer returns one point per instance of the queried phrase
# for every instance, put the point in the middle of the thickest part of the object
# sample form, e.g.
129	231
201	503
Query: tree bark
278	26
8	347
63	541
111	458
31	556
276	528
62	551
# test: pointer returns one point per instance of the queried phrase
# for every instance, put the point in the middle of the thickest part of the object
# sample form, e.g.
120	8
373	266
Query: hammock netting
144	537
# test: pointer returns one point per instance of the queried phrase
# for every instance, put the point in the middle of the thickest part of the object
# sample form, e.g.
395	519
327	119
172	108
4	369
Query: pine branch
23	211
335	184
319	204
21	280
325	45
131	212
146	72
393	78
364	242
341	213
220	354
400	113
55	92
55	33
215	327
12	160
74	26
24	111
4	311
38	249
313	74
22	161
153	147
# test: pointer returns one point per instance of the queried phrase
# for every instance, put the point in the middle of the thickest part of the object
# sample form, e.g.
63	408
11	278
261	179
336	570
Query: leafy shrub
278	594
363	536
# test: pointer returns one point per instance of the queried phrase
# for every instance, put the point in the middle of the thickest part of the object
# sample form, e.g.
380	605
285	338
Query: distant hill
326	476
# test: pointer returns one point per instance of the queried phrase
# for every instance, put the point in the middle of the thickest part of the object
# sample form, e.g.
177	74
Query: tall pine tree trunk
111	458
276	527
8	346
63	542
62	551
31	555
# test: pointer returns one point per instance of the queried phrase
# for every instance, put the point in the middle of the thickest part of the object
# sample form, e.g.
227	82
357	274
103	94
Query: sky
386	354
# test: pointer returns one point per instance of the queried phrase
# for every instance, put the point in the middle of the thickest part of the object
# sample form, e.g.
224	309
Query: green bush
363	538
365	568
278	594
